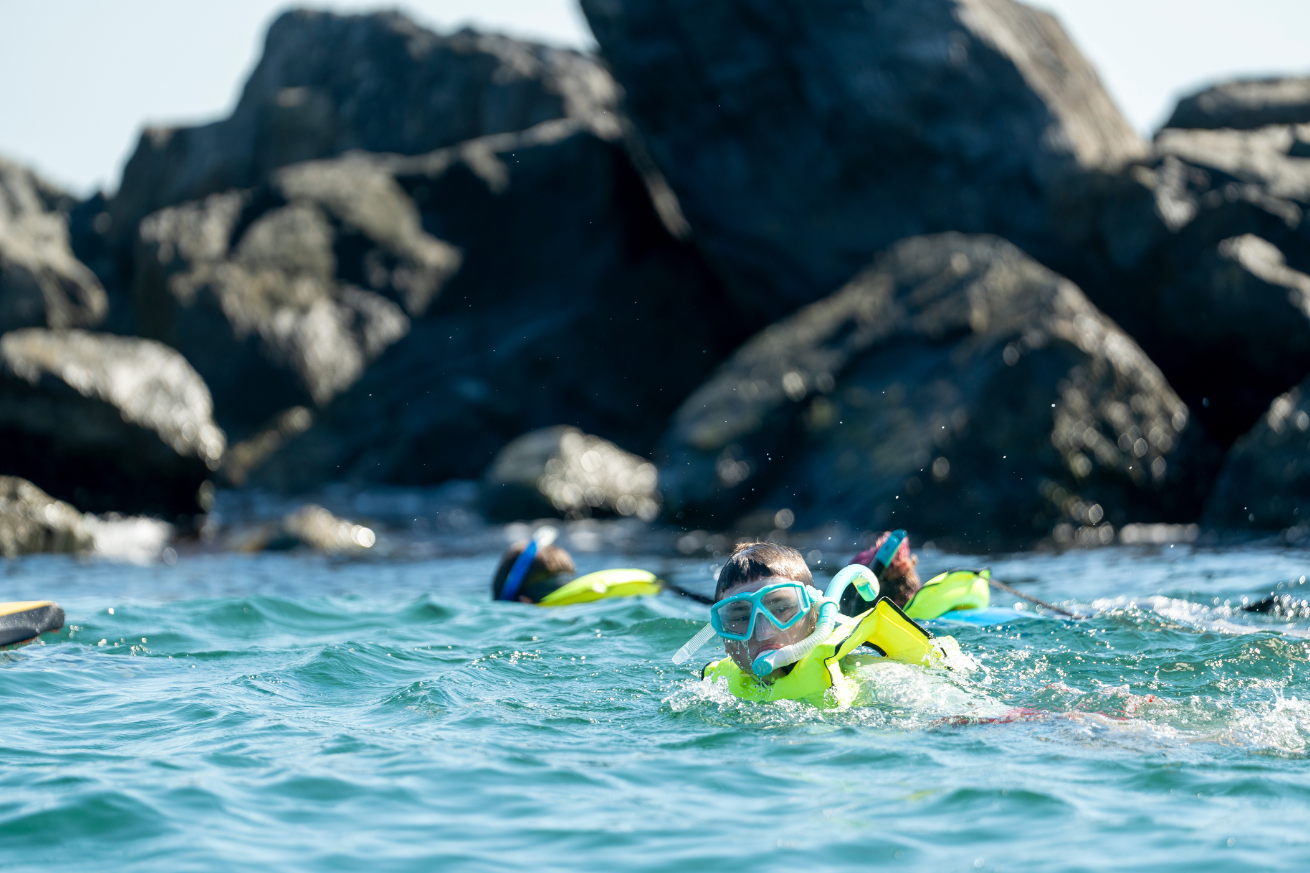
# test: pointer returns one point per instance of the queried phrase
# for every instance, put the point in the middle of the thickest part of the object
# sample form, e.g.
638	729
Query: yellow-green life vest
954	589
818	678
603	584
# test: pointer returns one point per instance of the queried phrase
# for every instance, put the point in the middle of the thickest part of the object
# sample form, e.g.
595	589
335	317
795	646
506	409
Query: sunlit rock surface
802	138
571	302
281	296
328	83
312	527
956	388
1244	104
107	423
562	471
32	521
1265	482
1198	251
41	283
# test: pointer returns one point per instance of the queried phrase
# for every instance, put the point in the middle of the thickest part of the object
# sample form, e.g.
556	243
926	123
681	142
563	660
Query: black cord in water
690	595
1031	599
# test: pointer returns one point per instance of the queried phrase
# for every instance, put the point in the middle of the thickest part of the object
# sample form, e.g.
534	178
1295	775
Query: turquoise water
280	712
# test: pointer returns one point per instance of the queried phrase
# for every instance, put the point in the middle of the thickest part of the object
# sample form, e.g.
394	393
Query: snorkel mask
541	537
781	604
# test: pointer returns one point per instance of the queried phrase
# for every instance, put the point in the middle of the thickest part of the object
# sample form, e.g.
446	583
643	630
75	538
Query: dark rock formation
32	521
327	84
560	470
1196	251
41	283
957	388
802	138
1245	104
572	303
1265	481
108	423
280	297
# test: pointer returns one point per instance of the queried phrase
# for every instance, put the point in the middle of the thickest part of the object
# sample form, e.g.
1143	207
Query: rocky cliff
869	264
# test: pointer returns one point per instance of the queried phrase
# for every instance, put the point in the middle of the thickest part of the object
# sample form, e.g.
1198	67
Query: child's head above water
754	566
899	581
551	569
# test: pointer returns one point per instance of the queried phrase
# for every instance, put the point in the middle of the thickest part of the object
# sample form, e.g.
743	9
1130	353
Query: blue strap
517	573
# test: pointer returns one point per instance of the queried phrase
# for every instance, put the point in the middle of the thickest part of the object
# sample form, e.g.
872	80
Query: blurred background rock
764	267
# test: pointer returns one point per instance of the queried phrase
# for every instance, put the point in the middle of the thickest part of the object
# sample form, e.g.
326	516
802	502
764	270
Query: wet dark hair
551	569
752	561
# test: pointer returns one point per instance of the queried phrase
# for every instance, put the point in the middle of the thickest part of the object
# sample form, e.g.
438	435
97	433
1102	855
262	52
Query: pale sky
81	77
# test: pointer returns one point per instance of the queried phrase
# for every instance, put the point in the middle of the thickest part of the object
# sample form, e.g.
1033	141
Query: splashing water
279	712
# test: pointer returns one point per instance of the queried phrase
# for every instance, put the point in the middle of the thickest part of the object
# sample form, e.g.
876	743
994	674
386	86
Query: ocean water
292	713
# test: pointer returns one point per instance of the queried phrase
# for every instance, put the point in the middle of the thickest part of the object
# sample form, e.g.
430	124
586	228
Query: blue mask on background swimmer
541	538
736	624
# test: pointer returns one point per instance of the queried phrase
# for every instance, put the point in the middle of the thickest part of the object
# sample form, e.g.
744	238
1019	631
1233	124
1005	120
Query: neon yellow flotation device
818	678
604	584
26	620
954	589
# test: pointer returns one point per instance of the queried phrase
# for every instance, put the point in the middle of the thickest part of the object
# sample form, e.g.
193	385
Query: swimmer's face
766	636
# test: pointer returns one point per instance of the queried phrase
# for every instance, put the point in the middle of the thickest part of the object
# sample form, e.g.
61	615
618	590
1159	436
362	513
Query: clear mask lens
782	605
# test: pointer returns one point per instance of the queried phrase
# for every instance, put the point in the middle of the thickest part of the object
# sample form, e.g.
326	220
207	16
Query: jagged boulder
32	521
956	387
802	138
562	471
572	303
107	423
281	296
1198	252
1245	104
328	83
1265	481
41	283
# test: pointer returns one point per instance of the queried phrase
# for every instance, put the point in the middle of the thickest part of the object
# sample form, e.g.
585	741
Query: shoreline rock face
1200	253
407	258
108	423
803	138
1265	480
33	522
572	302
1245	104
327	84
281	296
562	471
955	387
42	284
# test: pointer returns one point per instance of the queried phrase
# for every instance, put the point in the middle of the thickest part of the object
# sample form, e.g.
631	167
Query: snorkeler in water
786	640
895	565
538	571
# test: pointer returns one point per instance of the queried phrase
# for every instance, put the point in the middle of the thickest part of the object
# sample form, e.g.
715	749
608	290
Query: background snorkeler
539	572
551	568
898	575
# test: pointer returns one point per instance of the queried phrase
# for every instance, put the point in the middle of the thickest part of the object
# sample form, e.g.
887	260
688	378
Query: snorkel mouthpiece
865	582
